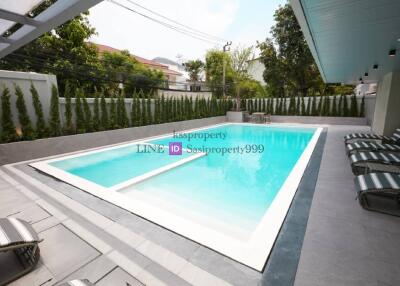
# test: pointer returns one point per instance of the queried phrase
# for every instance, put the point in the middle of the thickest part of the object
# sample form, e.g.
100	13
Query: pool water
233	189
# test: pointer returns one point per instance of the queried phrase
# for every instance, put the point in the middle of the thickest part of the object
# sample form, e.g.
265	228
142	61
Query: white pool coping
253	252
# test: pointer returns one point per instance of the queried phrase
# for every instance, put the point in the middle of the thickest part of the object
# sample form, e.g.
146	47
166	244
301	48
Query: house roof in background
149	63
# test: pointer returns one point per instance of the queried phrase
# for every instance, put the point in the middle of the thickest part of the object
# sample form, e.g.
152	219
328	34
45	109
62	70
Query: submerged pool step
156	172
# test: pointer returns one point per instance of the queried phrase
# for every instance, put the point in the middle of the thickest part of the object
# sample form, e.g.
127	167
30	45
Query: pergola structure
17	11
355	41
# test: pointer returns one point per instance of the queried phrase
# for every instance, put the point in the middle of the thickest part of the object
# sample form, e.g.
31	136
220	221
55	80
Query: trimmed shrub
69	126
122	116
149	115
41	130
354	106
284	109
113	114
55	123
104	124
87	115
334	107
8	133
314	110
320	106
292	106
362	107
346	111
96	113
143	113
79	115
23	116
308	110
303	107
340	106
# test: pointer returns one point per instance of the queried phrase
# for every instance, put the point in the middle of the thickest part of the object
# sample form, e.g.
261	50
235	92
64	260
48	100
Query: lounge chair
371	146
77	283
361	162
18	236
379	192
394	139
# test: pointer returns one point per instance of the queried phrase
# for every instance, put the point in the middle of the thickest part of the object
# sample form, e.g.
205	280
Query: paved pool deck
85	237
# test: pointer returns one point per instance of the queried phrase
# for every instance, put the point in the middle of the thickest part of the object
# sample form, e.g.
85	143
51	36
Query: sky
244	22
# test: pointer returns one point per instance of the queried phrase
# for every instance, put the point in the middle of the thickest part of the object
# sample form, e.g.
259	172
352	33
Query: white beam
57	14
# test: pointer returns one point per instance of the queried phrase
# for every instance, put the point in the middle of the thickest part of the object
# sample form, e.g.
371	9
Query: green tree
362	107
314	110
96	113
41	130
87	114
303	107
79	113
113	114
340	106
8	133
215	60
346	111
69	127
320	106
64	52
194	68
23	116
354	106
292	106
55	123
104	123
334	106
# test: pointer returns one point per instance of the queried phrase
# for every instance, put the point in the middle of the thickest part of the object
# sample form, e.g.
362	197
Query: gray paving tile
94	270
32	214
63	252
118	277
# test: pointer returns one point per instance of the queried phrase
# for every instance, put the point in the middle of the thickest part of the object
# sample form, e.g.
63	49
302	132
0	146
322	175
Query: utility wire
178	23
177	29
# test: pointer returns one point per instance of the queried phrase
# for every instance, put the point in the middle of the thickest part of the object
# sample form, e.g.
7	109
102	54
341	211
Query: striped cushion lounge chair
359	160
18	236
77	283
394	139
379	192
371	146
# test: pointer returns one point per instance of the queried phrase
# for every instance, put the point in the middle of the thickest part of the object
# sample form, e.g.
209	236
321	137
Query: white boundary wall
42	83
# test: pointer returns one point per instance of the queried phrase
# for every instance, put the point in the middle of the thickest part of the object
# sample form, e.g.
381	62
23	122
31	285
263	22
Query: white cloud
123	29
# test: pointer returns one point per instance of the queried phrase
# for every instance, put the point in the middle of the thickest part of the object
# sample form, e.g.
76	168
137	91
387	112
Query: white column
387	107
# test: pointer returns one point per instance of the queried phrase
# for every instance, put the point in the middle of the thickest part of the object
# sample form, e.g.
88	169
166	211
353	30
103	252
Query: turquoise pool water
111	167
232	187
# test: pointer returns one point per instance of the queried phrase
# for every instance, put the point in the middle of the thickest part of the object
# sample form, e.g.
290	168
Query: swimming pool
229	190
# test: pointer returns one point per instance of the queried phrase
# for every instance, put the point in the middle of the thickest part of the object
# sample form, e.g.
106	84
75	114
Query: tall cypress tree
303	107
149	113
69	126
308	110
320	105
104	123
113	113
362	107
79	115
87	114
41	130
346	111
340	106
354	106
334	106
8	133
96	112
23	116
143	113
292	106
314	110
55	123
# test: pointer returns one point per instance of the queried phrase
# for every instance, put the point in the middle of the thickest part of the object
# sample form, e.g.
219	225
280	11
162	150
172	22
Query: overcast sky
241	21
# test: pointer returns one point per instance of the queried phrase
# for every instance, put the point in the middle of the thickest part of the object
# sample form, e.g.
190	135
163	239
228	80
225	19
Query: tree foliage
23	116
194	68
8	132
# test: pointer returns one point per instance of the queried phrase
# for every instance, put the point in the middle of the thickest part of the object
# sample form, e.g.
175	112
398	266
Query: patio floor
86	237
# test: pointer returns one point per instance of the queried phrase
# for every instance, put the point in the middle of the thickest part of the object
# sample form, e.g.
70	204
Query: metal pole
226	48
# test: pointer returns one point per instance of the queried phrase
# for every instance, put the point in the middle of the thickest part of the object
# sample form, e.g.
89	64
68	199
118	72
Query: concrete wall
27	150
43	84
387	110
180	94
369	104
319	120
